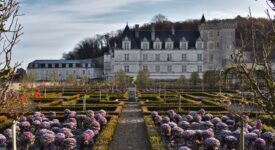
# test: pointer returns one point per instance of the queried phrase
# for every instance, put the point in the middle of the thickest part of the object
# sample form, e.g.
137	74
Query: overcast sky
52	27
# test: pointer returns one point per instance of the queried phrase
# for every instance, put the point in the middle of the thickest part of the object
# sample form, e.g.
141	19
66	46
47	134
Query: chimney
173	30
137	31
153	32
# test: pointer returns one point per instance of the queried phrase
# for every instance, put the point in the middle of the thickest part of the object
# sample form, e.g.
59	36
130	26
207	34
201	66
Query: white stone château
43	69
169	54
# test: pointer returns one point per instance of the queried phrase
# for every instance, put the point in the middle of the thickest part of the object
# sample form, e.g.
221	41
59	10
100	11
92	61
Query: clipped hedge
186	108
105	137
154	137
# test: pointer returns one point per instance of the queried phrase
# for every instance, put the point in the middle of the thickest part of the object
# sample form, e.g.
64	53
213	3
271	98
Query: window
83	72
78	65
211	59
169	68
145	57
126	69
157	68
169	45
74	65
157	57
145	67
184	68
199	57
157	45
46	66
36	66
199	45
199	68
127	45
169	57
145	45
126	57
183	57
183	45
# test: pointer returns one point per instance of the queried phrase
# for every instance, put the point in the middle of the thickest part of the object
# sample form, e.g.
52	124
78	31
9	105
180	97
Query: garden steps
131	130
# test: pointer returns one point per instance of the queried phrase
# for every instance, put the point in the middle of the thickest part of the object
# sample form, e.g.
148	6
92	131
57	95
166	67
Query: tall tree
53	77
194	79
258	74
72	79
90	48
210	78
159	18
10	31
182	80
121	79
143	80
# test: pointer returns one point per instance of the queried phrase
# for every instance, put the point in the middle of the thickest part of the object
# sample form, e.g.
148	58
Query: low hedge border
154	137
105	137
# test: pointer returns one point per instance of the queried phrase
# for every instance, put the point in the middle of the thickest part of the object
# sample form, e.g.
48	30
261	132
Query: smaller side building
43	69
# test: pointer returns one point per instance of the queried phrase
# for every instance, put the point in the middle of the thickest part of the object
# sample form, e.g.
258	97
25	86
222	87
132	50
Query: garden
60	118
78	118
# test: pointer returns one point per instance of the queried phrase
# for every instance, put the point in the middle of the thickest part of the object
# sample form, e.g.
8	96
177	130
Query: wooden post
84	102
242	135
100	95
45	92
14	135
179	102
159	92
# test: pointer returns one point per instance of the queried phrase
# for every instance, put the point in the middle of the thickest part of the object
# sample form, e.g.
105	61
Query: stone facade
169	54
43	69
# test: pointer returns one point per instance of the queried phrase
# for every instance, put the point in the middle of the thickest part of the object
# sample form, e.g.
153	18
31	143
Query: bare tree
122	79
159	18
194	79
10	31
143	80
258	74
53	77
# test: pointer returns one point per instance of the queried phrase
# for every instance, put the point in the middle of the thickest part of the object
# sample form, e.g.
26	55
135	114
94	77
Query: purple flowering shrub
39	132
199	128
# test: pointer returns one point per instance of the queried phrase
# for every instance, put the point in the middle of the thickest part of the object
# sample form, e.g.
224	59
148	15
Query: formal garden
85	117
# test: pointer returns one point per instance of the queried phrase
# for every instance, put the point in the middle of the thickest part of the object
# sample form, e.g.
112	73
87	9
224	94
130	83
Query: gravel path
131	131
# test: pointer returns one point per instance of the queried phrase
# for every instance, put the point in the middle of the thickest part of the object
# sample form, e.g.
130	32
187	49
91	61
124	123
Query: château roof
190	35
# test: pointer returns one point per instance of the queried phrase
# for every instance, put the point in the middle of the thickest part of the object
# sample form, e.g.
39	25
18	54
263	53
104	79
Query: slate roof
190	35
60	61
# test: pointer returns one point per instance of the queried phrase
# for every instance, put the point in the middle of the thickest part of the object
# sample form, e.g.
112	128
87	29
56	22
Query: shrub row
105	138
78	108
154	137
186	108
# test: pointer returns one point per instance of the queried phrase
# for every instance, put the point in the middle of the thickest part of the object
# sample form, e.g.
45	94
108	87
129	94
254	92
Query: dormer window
183	43
157	44
169	44
199	44
145	44
126	43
